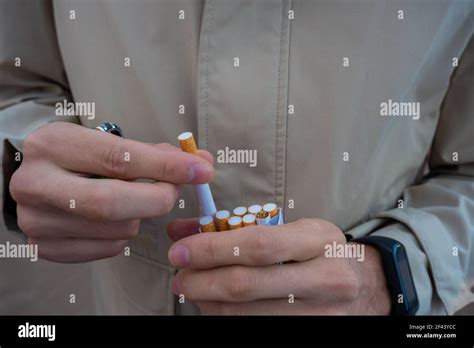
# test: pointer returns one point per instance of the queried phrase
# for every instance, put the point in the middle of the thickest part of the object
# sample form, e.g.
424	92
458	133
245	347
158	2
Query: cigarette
235	222
263	217
271	208
249	220
207	224
203	191
240	211
254	209
222	218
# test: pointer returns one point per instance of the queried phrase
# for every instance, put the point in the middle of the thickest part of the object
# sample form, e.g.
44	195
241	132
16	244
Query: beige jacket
255	75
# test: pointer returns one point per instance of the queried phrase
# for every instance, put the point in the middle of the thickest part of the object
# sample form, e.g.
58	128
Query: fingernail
200	173
179	255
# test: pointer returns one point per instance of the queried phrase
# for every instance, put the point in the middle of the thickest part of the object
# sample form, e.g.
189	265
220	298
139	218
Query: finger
77	250
181	228
203	153
51	223
89	151
96	199
260	307
257	245
165	146
207	156
240	284
318	282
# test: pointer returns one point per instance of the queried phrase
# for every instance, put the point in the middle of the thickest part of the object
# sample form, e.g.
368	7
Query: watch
397	273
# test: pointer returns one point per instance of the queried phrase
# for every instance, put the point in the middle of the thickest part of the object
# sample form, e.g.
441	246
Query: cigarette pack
213	220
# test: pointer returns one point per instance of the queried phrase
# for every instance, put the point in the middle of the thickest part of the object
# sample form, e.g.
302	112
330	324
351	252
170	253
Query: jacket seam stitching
206	95
278	102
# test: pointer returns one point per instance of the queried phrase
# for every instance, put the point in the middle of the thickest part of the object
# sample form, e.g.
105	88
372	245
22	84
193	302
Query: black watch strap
397	273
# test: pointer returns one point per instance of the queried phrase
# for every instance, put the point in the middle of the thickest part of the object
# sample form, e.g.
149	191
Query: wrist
375	295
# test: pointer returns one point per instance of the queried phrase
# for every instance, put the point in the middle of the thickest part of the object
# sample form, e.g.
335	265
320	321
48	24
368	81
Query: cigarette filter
240	211
187	143
271	208
235	222
222	220
254	209
207	224
249	220
203	191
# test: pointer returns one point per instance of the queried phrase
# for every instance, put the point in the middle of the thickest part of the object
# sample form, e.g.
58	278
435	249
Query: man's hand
74	217
221	279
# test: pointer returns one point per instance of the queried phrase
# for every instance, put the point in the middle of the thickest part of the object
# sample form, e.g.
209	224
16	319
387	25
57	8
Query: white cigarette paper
206	202
203	191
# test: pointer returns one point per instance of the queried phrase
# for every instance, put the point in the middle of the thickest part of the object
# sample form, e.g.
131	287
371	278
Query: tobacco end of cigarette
187	143
262	214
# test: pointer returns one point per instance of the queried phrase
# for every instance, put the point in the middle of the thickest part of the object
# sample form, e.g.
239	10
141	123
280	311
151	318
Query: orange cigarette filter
187	143
249	220
271	208
235	222
240	211
207	224
222	220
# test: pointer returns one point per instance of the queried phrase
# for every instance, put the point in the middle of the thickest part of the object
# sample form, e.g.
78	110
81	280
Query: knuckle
333	232
36	143
167	201
99	204
25	222
240	285
264	247
18	185
210	250
164	170
131	229
112	161
327	229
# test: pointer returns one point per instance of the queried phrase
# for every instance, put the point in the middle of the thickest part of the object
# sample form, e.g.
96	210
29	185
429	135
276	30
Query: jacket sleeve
436	223
32	80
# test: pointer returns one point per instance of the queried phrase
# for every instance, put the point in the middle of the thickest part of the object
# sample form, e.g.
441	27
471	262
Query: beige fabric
283	62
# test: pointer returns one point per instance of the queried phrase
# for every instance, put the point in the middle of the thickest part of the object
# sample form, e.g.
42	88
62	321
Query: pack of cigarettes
213	220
